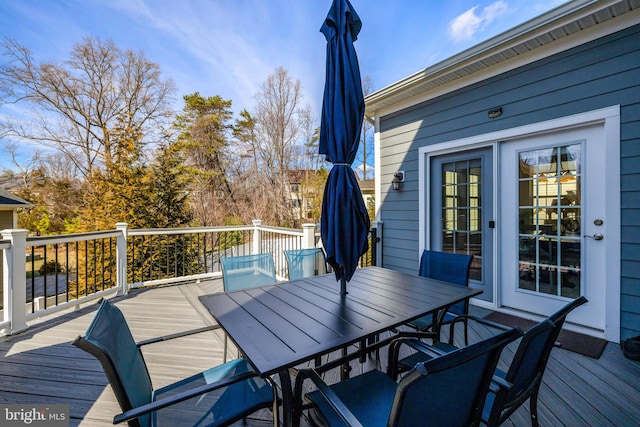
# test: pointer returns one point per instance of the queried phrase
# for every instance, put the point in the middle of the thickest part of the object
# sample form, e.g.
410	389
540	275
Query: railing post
256	237
15	280
121	256
308	236
378	242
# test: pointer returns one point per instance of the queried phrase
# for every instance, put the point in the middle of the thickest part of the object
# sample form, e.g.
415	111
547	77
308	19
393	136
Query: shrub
50	267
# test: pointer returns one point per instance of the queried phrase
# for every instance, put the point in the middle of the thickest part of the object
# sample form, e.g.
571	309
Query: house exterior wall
6	219
595	75
6	222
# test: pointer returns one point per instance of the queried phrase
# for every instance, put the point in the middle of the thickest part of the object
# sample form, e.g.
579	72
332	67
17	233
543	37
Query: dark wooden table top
282	325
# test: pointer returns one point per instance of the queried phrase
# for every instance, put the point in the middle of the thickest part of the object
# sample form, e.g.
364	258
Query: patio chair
451	268
525	371
217	397
247	271
305	262
448	390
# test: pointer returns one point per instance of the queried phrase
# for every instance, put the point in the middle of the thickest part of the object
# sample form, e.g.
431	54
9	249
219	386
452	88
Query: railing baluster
55	269
33	279
77	272
95	267
45	277
102	264
204	251
66	282
86	266
151	260
112	273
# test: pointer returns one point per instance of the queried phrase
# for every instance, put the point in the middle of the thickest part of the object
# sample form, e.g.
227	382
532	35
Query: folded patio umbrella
344	224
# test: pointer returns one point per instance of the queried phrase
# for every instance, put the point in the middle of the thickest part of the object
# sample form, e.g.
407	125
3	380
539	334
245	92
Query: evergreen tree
204	127
168	191
118	193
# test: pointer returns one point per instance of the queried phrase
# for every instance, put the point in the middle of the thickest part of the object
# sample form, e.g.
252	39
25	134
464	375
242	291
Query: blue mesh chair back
109	340
527	368
560	316
449	390
305	262
448	267
526	362
247	271
220	399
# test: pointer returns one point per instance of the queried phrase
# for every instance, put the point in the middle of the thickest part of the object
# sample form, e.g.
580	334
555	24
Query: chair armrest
177	398
463	318
416	344
500	383
328	395
417	334
481	320
499	388
177	335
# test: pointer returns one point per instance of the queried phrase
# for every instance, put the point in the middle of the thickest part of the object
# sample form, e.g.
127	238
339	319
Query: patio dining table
280	326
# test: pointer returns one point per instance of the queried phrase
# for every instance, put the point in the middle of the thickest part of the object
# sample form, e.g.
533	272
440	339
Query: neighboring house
305	190
525	151
304	197
9	205
368	189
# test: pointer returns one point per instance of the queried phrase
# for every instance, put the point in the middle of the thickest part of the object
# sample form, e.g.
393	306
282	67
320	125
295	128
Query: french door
553	232
461	211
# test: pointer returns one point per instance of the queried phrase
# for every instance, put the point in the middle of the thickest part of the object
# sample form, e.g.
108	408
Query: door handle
596	236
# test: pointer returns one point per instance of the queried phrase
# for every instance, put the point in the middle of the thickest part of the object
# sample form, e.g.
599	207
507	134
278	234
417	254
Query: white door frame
608	117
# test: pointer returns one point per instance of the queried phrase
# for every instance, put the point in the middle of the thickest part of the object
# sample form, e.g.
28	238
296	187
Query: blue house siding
595	75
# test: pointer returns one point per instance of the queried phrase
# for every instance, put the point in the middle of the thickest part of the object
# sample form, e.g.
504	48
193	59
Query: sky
230	47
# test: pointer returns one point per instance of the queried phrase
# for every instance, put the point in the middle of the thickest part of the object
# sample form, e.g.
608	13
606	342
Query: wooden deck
41	366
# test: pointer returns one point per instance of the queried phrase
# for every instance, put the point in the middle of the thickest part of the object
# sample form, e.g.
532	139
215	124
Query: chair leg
372	340
533	408
466	332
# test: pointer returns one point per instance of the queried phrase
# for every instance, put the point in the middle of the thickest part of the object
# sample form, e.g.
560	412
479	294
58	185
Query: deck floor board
41	366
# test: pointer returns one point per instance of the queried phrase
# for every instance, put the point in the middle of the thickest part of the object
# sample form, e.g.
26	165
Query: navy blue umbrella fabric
344	224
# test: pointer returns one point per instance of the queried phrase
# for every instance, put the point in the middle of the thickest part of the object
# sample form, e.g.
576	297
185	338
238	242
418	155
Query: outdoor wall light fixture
398	179
496	112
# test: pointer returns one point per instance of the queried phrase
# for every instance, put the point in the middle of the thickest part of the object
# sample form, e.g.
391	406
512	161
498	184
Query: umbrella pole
343	286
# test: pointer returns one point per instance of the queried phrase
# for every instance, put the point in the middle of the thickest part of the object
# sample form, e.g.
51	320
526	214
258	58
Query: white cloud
230	47
465	26
370	171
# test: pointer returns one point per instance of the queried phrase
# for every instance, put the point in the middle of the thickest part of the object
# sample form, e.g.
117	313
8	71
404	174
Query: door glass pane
549	206
462	212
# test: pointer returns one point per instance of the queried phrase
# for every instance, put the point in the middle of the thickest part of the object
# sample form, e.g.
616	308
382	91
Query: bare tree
26	169
59	167
252	185
310	159
79	102
278	125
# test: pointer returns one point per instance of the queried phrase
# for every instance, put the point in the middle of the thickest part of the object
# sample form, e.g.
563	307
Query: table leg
346	367
287	400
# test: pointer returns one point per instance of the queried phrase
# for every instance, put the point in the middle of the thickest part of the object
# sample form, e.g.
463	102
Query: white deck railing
42	275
